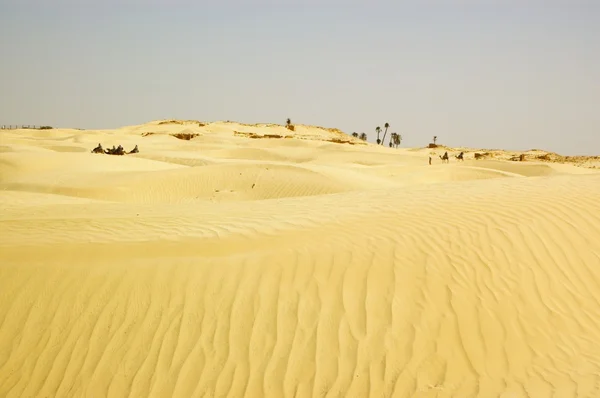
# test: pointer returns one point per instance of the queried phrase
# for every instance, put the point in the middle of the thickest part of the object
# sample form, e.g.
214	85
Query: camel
460	156
115	151
445	158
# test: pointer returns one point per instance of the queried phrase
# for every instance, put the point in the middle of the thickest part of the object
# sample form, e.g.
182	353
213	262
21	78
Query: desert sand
255	261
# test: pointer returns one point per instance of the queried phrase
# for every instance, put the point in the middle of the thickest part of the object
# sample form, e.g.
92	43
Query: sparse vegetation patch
182	122
185	136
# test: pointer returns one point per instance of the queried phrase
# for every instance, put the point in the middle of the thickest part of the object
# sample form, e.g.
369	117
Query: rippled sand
236	266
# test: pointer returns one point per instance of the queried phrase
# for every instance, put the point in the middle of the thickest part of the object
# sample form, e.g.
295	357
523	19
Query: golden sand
235	264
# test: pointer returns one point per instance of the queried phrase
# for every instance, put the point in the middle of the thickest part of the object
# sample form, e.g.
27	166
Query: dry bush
242	134
170	122
254	135
181	122
340	141
185	136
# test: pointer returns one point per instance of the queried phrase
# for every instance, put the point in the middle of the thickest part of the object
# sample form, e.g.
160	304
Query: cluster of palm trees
362	136
395	138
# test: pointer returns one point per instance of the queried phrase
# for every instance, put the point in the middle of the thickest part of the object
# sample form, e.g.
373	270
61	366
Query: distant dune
227	259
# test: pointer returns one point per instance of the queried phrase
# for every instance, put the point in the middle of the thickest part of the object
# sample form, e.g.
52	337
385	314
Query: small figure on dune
460	156
430	160
134	150
445	157
98	149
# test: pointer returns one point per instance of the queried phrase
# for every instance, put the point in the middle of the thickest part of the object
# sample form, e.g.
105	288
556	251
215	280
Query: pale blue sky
493	74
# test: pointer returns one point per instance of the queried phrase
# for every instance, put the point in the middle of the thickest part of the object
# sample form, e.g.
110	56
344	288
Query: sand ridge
234	266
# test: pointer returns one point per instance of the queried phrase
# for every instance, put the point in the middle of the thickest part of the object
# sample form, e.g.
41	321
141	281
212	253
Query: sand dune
232	266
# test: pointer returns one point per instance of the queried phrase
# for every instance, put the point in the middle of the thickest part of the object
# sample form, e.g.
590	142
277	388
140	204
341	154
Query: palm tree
355	135
387	126
434	139
396	139
289	125
363	136
378	130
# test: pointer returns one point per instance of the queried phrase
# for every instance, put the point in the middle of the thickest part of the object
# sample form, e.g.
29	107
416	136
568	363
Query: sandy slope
236	266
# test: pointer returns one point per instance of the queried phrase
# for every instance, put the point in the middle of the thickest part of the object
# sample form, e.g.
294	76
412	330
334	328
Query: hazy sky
493	74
